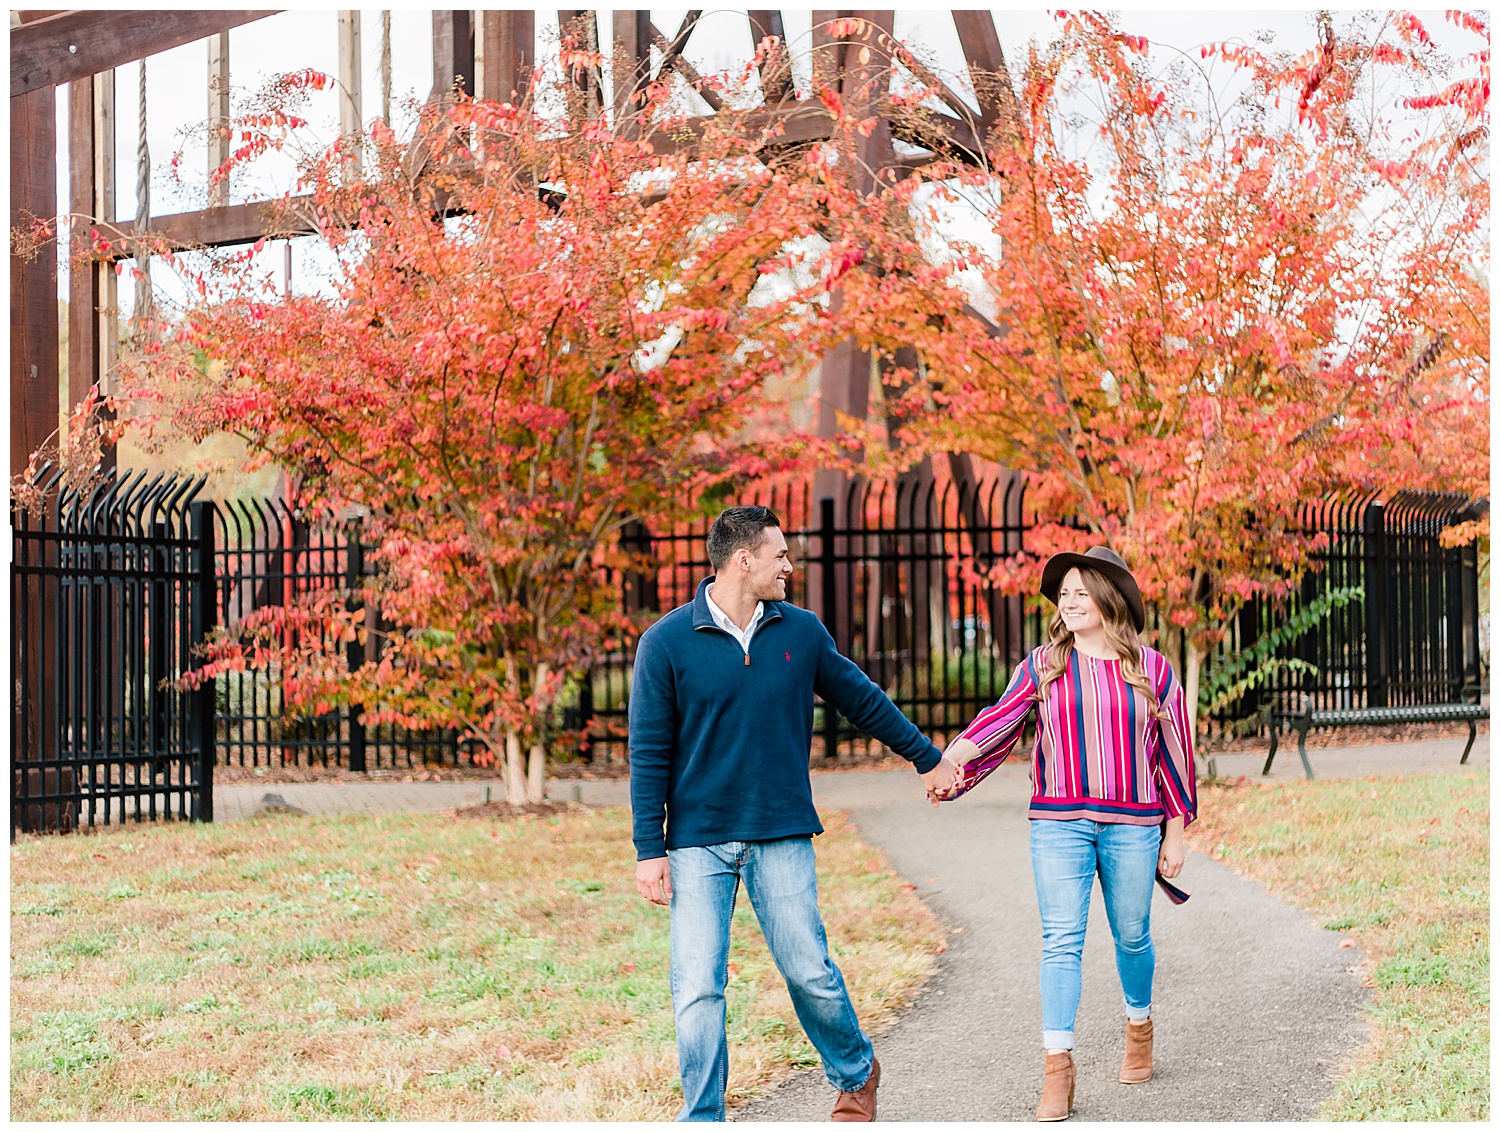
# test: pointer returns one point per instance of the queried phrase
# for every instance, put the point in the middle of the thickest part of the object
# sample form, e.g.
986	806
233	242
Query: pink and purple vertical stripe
1098	754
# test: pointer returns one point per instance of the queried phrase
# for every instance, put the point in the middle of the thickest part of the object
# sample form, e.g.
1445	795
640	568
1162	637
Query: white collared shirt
724	622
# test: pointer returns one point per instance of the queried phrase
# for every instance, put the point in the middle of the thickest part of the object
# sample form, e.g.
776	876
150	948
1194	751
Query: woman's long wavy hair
1119	631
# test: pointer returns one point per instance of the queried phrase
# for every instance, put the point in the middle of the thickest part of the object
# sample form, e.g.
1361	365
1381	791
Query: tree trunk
1191	677
515	770
536	773
536	769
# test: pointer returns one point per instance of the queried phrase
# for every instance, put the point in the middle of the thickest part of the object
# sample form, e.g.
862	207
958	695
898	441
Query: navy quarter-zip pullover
720	739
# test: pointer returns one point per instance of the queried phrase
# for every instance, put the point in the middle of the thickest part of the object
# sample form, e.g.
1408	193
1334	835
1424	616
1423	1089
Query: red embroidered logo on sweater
789	655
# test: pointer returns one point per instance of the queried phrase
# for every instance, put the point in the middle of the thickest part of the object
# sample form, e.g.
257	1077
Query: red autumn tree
1209	314
543	329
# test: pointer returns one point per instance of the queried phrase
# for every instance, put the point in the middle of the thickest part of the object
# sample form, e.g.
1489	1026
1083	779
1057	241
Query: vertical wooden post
847	373
107	334
632	64
33	281
987	70
585	22
385	66
506	53
83	276
351	101
218	117
866	81
452	52
776	75
828	53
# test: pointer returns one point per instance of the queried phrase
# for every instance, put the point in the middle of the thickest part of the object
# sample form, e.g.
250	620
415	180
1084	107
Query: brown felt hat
1108	563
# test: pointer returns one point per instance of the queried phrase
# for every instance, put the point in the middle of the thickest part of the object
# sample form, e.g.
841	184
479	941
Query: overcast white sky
177	103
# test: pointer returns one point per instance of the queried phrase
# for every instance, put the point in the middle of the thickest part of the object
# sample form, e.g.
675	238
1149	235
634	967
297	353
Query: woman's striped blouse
1098	753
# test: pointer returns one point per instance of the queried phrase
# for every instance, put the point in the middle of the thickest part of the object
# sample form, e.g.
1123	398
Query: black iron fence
1416	638
268	555
110	594
892	568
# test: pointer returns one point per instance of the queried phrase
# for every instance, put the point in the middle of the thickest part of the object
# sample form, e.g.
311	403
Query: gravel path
1255	1006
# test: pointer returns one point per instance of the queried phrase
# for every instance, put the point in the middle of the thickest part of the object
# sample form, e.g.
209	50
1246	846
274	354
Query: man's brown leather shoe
1137	1067
857	1108
1057	1087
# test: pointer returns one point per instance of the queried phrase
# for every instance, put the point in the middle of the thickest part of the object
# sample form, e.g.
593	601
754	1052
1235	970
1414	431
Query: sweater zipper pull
747	660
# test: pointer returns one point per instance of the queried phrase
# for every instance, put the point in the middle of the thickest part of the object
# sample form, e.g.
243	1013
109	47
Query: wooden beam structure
584	23
83	278
506	54
218	117
775	72
673	57
486	54
33	279
107	314
78	49
351	82
227	226
452	52
845	378
489	54
988	73
632	59
73	44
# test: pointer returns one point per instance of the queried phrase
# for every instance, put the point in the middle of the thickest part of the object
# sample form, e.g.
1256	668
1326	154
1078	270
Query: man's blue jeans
1065	856
781	879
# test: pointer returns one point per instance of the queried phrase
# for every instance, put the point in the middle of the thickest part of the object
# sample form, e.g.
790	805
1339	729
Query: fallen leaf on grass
503	1053
908	887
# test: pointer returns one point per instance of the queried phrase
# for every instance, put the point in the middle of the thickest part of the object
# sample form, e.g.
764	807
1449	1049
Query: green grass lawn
1401	866
411	967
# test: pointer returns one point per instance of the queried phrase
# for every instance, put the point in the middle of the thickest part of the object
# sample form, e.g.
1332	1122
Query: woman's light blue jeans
781	880
1065	856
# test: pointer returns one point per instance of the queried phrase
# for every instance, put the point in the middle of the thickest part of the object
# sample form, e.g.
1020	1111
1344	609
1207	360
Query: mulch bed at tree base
878	760
504	811
289	775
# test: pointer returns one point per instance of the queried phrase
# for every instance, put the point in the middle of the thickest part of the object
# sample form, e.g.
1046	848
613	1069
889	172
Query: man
721	719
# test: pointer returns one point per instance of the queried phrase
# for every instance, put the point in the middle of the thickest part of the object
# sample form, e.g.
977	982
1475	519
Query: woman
1112	789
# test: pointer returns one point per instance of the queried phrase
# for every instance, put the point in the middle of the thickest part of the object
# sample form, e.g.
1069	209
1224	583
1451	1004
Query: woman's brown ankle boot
1137	1067
1057	1087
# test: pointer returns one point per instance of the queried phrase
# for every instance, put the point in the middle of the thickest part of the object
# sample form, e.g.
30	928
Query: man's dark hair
736	527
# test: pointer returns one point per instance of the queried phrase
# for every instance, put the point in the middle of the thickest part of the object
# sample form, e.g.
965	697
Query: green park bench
1305	720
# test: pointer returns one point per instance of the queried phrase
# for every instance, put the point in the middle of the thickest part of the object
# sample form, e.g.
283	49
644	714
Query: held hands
943	780
1173	849
653	880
